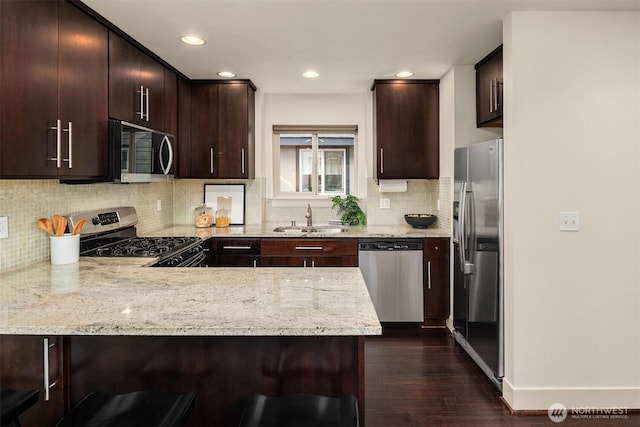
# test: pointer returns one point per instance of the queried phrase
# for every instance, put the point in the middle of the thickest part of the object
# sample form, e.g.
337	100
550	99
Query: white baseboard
581	399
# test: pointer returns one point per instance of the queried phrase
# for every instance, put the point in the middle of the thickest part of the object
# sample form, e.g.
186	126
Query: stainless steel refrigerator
478	255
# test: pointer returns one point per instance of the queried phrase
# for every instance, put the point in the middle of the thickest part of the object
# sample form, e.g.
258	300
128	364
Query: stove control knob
95	220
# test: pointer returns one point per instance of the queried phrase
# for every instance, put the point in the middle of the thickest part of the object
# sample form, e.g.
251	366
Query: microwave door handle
167	168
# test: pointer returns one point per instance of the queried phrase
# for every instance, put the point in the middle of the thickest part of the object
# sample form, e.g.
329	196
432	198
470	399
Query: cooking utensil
45	225
59	224
78	226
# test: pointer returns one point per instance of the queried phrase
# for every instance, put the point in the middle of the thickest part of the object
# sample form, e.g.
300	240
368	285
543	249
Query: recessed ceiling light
192	40
403	74
226	74
311	74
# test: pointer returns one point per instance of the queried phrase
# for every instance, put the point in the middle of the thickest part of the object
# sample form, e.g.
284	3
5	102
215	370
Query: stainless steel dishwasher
393	272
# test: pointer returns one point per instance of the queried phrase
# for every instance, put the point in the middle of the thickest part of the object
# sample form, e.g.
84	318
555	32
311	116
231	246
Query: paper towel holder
392	185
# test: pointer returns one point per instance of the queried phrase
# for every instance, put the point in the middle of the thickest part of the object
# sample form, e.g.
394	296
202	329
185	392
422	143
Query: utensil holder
65	249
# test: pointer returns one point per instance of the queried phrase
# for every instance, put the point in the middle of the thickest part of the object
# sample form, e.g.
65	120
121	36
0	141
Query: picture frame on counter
237	194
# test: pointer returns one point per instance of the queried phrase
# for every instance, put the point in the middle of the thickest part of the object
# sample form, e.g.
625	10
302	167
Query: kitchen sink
316	229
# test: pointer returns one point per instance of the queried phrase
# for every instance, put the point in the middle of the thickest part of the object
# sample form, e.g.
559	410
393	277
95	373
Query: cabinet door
124	71
202	151
28	83
152	81
436	281
234	151
170	102
83	93
22	361
183	140
407	129
489	90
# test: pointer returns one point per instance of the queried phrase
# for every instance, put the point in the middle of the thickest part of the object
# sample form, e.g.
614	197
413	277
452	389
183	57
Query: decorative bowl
420	220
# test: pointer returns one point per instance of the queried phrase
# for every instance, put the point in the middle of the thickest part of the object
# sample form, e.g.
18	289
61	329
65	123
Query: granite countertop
108	296
266	230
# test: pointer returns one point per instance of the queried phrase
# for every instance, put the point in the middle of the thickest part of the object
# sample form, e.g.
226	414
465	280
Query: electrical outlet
4	227
385	203
158	205
569	221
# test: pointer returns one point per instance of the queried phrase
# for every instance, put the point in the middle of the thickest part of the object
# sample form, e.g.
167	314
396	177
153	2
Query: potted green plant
350	210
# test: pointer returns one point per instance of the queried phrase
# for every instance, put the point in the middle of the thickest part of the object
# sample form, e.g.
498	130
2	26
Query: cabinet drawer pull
58	157
211	159
147	103
491	96
309	248
48	385
255	263
237	247
429	274
70	159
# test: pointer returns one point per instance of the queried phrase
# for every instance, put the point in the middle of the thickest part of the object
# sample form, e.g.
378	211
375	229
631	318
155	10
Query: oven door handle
193	262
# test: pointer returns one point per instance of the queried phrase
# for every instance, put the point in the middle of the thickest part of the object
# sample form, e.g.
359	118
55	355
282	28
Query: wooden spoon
59	224
78	226
45	225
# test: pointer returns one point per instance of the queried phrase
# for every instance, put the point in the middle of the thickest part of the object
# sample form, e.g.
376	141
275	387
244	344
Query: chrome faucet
309	216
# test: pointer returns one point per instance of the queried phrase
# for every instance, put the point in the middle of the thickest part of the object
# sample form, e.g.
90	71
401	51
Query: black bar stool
140	408
13	403
300	410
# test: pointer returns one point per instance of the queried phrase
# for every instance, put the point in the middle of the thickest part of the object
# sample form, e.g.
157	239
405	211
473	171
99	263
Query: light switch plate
4	227
569	221
158	205
385	203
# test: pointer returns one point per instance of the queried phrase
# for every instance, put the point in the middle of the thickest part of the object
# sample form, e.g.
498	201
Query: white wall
572	144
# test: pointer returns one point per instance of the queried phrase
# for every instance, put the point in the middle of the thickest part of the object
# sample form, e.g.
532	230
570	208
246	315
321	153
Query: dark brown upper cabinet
406	123
136	85
220	141
489	90
54	85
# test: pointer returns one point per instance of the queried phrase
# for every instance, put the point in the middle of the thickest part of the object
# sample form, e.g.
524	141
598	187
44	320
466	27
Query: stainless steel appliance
393	272
478	255
112	233
139	154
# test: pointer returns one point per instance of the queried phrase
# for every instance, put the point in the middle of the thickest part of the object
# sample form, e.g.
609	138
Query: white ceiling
349	42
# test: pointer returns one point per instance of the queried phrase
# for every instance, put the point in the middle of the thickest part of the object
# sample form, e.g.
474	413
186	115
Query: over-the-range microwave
139	154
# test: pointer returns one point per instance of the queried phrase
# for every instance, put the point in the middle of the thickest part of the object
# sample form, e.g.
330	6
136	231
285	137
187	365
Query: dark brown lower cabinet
243	252
222	371
436	281
309	253
23	360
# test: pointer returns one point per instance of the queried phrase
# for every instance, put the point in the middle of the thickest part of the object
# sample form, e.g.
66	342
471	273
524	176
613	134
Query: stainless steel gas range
112	233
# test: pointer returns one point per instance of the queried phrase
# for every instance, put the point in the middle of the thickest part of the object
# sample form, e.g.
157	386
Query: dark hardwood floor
422	378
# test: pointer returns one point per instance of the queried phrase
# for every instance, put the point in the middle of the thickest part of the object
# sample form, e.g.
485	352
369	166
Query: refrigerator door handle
467	233
461	225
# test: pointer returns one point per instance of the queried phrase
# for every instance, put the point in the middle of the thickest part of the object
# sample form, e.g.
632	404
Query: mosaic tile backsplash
24	201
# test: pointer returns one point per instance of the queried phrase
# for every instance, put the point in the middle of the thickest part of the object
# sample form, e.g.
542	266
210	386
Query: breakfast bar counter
222	333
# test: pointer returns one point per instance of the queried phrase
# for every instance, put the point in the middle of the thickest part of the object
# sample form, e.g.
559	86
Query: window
314	161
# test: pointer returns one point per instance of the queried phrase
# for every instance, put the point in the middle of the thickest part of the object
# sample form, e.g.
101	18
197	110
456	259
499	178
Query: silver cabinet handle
313	263
147	103
141	112
429	274
304	263
242	160
48	385
70	145
211	159
58	157
255	263
309	248
491	96
381	160
237	247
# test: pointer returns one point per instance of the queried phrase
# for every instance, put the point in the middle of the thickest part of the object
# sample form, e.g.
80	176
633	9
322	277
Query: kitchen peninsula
223	333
